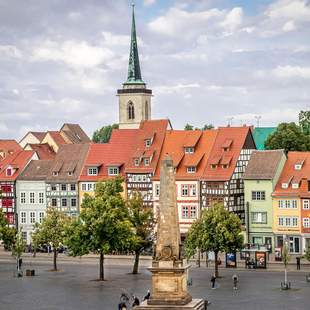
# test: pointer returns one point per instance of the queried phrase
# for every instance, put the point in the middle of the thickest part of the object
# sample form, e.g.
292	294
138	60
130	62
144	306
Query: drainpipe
247	221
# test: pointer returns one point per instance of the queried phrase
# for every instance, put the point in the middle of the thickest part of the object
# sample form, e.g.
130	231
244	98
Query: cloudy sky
206	61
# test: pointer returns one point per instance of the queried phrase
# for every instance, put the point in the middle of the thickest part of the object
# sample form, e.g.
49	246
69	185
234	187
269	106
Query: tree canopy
217	230
103	225
204	127
103	134
7	234
289	137
51	232
304	121
142	220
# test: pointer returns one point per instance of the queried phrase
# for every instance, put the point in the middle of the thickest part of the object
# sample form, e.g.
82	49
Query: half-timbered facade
222	179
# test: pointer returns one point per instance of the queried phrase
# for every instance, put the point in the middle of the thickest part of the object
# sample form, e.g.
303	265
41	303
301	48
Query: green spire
134	72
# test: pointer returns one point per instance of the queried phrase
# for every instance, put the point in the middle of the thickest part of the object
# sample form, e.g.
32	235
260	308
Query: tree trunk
55	258
136	264
101	267
198	260
216	267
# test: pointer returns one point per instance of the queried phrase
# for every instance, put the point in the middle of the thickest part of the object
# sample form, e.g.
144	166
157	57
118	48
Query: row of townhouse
277	195
135	154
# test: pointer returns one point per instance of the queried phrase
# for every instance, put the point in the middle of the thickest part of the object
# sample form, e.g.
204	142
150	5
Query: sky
207	61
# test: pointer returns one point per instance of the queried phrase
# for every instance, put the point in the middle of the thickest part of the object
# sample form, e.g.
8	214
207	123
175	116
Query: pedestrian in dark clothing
298	263
147	296
136	301
213	278
122	306
235	281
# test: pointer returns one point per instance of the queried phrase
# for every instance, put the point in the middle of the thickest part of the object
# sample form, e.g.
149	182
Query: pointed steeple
134	72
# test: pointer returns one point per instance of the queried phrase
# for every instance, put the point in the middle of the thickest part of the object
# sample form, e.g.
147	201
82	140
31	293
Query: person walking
298	263
136	301
235	281
213	278
147	296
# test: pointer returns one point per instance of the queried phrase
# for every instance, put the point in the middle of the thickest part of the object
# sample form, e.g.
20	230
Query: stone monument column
169	275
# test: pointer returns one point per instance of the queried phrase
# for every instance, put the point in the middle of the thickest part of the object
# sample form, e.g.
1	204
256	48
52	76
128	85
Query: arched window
146	107
131	110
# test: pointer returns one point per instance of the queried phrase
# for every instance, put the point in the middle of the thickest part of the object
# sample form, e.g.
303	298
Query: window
131	111
225	166
8	172
184	189
31	197
23	197
157	190
306	222
295	185
281	221
259	217
84	187
32	217
137	162
294	204
288	221
148	142
93	171
213	167
41	197
295	221
288	204
63	187
191	169
284	185
23	217
89	187
305	204
146	161
185	212
281	204
258	195
55	173
54	202
24	235
193	212
70	173
41	217
73	202
298	166
64	202
113	170
189	150
193	190
54	187
72	187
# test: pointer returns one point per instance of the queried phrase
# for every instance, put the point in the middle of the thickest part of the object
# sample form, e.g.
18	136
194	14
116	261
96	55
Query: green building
260	135
260	179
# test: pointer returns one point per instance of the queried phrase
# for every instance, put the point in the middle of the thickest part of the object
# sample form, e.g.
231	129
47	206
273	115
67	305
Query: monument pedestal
195	304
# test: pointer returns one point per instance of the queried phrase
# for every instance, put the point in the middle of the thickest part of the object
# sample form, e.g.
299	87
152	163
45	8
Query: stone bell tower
134	97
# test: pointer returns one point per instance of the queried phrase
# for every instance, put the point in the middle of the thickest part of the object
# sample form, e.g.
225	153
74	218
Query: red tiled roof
174	147
44	151
155	129
8	146
39	135
18	160
290	175
115	153
59	140
192	138
233	138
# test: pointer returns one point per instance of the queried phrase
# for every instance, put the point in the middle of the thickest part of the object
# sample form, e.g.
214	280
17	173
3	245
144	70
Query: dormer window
70	173
225	166
148	142
213	167
92	171
136	162
55	173
295	185
9	172
298	166
113	171
146	161
191	169
284	185
189	150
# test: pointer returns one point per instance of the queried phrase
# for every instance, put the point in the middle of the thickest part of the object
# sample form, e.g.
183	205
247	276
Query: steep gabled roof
75	133
8	147
263	165
115	153
44	151
225	152
39	135
150	129
291	175
58	139
18	161
37	170
66	156
174	145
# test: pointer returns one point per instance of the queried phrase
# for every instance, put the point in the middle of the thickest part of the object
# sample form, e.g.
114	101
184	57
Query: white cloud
112	39
289	26
10	51
149	2
77	54
289	72
179	88
233	20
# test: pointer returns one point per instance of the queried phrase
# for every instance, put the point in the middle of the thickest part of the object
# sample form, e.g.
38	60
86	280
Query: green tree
307	254
51	232
103	225
217	230
18	247
143	222
103	134
207	127
304	121
188	127
285	258
7	234
289	137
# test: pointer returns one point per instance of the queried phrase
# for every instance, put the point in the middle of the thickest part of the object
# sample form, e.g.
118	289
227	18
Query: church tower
134	97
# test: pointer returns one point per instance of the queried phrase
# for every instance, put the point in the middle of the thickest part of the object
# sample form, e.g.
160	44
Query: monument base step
195	304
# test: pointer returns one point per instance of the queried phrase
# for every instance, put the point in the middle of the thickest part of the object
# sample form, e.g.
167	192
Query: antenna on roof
229	120
258	118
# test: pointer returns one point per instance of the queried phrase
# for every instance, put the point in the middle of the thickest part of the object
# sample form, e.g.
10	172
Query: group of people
234	278
136	302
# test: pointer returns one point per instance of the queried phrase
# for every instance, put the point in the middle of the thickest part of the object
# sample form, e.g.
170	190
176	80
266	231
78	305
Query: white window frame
193	212
189	150
191	169
157	190
306	222
23	197
259	217
184	190
73	199
137	162
192	190
61	187
32	197
54	199
306	204
185	212
62	204
41	197
146	161
41	216
258	195
32	217
84	187
23	217
113	170
73	190
148	142
92	171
